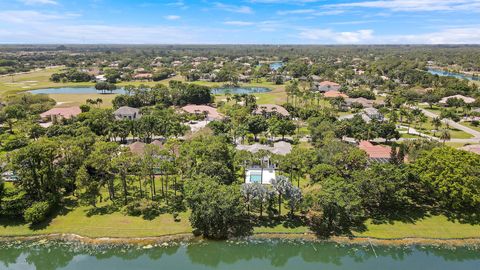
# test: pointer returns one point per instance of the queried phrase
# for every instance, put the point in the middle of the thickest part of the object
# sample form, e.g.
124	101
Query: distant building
271	109
334	94
325	86
373	113
126	112
57	114
467	100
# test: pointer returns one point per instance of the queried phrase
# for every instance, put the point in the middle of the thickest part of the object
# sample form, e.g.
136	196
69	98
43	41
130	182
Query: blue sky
240	22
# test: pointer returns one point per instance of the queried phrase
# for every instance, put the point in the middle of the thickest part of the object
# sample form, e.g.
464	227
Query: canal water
251	255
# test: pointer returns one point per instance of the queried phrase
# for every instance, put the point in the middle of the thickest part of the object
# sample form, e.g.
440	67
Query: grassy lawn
427	128
33	80
68	100
430	227
75	220
469	124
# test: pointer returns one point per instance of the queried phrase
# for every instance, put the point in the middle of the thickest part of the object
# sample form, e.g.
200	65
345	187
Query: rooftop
269	108
64	112
198	109
375	151
334	94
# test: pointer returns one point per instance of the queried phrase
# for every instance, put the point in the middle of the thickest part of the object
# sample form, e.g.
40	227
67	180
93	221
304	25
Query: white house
257	174
126	112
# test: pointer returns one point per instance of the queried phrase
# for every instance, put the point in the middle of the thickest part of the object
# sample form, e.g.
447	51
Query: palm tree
436	122
445	135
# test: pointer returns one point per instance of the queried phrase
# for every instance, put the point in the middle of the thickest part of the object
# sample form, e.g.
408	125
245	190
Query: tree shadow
410	214
102	210
66	206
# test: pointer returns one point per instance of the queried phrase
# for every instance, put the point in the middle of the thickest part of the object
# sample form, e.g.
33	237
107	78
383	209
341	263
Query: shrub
37	213
146	208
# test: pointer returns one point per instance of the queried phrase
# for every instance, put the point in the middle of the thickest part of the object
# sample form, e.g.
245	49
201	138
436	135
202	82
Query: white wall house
256	174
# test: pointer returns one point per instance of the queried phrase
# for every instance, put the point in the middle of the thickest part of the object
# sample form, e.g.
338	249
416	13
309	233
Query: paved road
474	133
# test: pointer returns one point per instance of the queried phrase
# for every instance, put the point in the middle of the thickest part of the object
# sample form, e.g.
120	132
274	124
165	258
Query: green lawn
427	128
469	124
33	80
430	227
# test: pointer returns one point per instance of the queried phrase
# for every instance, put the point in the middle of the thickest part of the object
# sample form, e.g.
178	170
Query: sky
240	22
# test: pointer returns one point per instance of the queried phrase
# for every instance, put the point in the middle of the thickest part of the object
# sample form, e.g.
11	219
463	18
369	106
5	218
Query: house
474	148
210	113
271	109
57	114
376	153
138	148
259	174
325	86
366	103
143	76
373	113
9	176
334	94
126	112
467	100
279	148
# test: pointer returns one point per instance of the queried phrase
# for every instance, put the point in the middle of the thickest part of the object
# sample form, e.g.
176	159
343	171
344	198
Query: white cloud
233	8
466	35
172	17
284	1
414	5
238	23
295	11
39	2
329	36
31	16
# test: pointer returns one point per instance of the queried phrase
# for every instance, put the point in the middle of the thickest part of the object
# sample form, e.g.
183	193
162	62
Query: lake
452	74
240	90
276	65
259	254
92	90
72	90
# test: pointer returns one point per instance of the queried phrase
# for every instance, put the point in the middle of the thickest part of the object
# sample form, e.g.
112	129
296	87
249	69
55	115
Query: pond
240	90
259	254
453	74
92	90
276	65
72	90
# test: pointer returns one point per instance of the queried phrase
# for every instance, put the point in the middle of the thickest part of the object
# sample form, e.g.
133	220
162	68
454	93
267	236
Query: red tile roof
63	112
334	94
269	108
212	112
375	151
329	83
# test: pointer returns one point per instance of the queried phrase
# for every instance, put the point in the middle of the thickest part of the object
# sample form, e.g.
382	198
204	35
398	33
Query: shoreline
188	237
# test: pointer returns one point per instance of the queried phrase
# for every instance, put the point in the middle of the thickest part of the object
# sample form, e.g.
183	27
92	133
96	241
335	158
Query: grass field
75	220
430	227
40	79
33	80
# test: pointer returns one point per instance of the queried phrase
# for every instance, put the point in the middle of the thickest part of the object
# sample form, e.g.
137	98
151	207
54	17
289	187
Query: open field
33	80
40	79
429	227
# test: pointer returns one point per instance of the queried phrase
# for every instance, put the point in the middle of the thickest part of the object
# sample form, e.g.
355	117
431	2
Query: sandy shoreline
162	240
